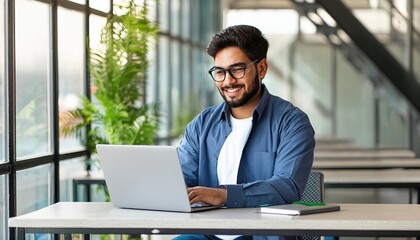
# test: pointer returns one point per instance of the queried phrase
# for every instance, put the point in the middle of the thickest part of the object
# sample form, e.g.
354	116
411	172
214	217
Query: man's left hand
212	196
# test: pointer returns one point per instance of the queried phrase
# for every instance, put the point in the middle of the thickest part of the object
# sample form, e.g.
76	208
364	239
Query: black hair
248	38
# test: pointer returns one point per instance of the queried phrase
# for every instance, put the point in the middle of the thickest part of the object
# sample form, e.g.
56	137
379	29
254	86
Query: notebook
145	177
298	209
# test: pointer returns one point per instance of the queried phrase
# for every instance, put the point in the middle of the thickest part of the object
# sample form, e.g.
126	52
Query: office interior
352	65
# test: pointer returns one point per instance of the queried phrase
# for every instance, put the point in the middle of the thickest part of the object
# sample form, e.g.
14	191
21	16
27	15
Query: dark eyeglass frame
243	68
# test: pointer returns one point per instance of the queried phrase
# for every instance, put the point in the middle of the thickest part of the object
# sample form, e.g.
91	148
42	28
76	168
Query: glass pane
71	68
96	23
163	15
204	24
33	76
355	104
188	97
164	84
280	68
3	208
393	118
377	21
399	44
71	170
195	21
176	102
186	16
151	81
175	17
208	87
416	15
197	75
34	189
311	86
389	27
416	56
401	6
416	39
3	189
2	88
102	5
152	11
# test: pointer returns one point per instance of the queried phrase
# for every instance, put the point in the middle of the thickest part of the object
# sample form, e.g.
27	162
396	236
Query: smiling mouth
232	89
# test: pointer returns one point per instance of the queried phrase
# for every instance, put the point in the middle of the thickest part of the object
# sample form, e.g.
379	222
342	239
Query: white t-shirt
230	155
231	152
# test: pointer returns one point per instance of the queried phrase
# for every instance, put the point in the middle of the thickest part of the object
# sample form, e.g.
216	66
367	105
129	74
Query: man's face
237	92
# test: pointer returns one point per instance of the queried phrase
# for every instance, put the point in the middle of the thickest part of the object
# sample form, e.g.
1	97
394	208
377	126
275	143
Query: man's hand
212	196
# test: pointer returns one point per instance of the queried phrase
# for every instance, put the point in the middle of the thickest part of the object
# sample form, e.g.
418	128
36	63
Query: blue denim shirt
276	159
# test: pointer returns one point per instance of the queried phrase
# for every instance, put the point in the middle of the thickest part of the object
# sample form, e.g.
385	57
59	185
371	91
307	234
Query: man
255	148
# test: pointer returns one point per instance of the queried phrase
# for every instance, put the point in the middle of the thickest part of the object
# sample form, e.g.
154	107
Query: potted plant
117	112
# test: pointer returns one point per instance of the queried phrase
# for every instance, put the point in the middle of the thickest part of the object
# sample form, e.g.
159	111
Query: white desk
348	147
380	163
365	154
379	178
392	220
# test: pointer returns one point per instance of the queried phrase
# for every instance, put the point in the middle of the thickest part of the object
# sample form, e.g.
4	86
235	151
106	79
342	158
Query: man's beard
248	96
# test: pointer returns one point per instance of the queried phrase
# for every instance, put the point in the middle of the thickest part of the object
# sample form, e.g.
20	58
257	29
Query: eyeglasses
237	72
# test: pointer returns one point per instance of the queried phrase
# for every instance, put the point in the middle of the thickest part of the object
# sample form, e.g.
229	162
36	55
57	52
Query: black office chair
314	192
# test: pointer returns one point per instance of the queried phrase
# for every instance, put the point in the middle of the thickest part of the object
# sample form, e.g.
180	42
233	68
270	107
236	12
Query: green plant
117	113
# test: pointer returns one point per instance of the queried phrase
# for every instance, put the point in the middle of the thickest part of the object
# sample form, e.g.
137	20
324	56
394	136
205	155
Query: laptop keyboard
199	204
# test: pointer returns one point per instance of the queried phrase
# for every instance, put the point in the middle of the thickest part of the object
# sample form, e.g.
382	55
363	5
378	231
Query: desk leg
87	187
75	195
66	236
86	236
410	196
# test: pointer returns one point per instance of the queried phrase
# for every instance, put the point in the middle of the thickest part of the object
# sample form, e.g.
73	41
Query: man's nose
229	78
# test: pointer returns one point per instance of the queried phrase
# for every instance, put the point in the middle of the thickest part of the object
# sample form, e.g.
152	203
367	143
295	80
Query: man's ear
262	70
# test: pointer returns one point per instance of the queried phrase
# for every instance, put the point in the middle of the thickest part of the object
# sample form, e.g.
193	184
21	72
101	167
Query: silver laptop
145	177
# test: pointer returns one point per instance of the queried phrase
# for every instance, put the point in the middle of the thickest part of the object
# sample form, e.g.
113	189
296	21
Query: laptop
145	177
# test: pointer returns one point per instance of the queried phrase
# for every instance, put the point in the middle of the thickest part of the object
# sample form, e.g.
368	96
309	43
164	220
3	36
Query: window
175	17
70	169
33	78
164	15
34	190
181	83
164	85
71	67
100	5
3	204
2	88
